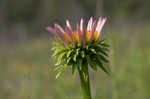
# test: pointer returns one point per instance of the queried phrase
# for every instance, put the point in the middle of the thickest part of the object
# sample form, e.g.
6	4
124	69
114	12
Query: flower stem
85	83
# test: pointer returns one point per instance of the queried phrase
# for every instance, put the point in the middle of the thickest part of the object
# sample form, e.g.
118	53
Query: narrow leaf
102	66
58	75
91	63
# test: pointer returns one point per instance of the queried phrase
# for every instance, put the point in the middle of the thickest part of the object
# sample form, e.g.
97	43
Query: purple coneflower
82	50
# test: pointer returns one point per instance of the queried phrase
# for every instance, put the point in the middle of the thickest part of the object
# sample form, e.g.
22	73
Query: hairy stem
85	83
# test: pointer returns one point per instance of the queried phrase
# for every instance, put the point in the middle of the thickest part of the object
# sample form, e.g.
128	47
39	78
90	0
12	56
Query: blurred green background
26	65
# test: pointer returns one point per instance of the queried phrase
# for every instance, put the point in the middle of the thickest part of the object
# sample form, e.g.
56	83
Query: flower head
82	46
81	35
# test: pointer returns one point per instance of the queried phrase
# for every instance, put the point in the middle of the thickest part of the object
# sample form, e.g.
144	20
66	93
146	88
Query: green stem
85	83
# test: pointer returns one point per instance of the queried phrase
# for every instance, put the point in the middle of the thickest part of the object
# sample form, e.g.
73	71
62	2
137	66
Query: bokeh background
26	66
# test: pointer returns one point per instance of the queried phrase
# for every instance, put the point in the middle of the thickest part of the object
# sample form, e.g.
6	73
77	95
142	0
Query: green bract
79	57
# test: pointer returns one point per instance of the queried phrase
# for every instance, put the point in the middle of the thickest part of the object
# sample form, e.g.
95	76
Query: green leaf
102	66
87	47
79	57
58	74
60	57
101	50
82	54
57	63
103	58
91	63
105	45
61	70
74	70
58	52
77	51
93	50
68	60
57	68
54	48
75	57
69	53
64	68
85	70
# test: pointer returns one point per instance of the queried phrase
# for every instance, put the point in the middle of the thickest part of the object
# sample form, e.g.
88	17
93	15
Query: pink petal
68	24
98	23
59	28
93	30
60	31
81	24
79	33
101	25
90	23
69	31
83	30
50	29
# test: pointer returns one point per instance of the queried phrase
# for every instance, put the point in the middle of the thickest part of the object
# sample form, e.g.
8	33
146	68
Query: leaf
74	70
85	71
58	52
68	60
69	53
58	74
105	45
57	68
60	57
101	50
91	63
57	63
54	48
61	70
93	50
101	66
103	58
75	57
82	54
64	68
77	51
87	47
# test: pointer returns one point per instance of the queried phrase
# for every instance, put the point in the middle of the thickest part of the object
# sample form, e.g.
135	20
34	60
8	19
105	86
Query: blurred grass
26	70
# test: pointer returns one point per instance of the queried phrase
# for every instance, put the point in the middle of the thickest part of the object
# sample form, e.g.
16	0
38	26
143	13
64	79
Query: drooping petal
59	28
90	23
52	30
60	31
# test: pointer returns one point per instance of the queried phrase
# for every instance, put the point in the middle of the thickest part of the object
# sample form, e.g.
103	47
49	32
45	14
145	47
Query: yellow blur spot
88	33
67	37
75	37
95	36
